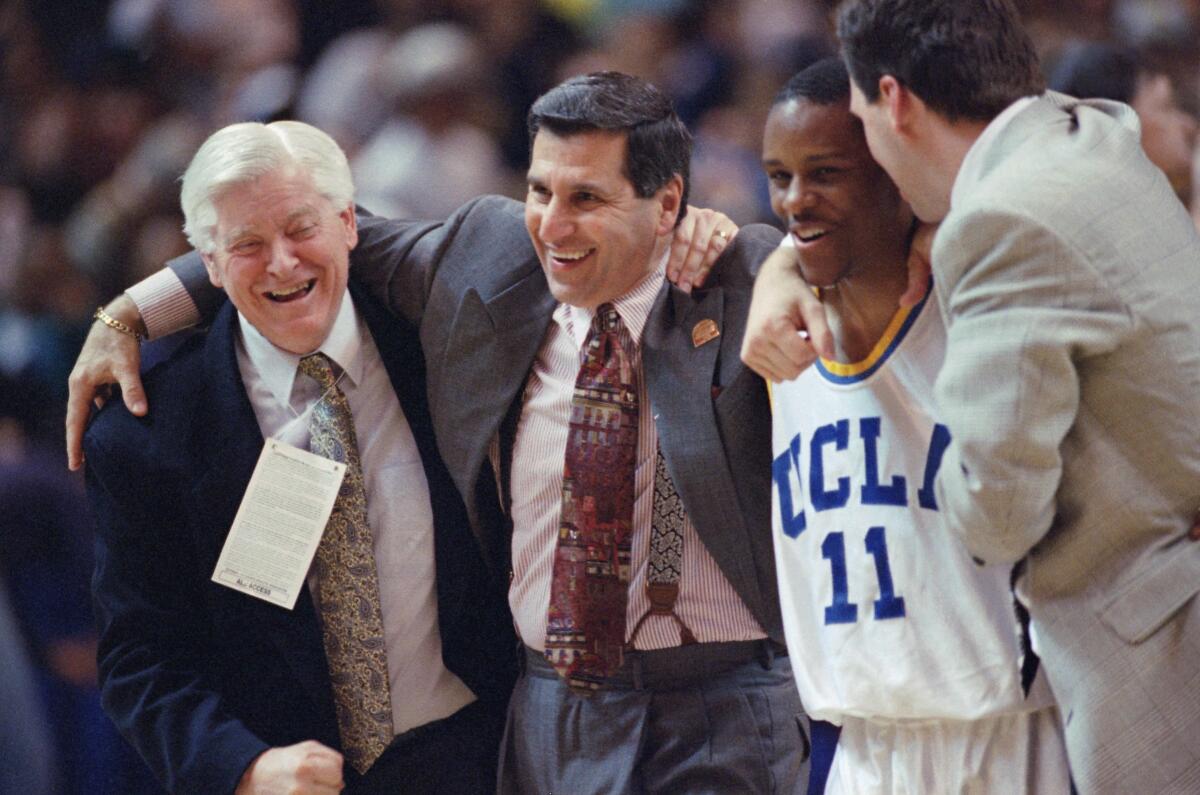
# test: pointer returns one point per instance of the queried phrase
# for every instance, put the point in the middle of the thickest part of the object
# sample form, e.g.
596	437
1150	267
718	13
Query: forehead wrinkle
538	177
577	187
819	157
836	154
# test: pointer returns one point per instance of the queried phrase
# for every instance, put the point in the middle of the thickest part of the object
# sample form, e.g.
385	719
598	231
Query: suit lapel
487	359
233	440
679	380
400	350
227	432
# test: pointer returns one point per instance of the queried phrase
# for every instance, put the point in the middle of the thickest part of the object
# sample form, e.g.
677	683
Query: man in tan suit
1068	274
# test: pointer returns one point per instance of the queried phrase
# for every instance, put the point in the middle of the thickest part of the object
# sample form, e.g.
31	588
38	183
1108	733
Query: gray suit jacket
1069	275
475	289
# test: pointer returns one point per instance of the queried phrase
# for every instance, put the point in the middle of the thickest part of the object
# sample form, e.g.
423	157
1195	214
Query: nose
283	259
555	223
799	196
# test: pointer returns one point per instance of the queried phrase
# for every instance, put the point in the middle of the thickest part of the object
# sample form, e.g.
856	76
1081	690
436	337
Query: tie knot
606	319
318	367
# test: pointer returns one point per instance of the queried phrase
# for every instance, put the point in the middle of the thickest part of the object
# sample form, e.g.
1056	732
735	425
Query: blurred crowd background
102	102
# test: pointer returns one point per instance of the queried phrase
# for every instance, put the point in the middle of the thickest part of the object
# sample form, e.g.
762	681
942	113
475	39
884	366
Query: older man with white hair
388	667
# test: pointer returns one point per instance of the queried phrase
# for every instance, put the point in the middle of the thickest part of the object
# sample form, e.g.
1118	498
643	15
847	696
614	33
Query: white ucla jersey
886	615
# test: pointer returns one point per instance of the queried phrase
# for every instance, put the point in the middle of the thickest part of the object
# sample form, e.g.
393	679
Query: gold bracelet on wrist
113	323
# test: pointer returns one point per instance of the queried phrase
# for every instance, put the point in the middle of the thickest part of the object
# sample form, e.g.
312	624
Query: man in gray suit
1067	273
700	696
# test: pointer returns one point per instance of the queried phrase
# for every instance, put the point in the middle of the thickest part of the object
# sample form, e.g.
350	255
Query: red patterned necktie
585	627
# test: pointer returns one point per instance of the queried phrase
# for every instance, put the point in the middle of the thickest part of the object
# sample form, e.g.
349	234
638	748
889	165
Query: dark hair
658	144
965	59
825	82
1093	69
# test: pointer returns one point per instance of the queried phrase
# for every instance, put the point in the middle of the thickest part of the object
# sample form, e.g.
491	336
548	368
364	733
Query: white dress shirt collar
277	367
633	307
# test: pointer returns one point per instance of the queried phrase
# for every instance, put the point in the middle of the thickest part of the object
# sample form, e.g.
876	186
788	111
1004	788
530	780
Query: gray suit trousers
711	718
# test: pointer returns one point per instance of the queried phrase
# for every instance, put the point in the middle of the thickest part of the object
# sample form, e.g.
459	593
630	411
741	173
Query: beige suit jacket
1069	275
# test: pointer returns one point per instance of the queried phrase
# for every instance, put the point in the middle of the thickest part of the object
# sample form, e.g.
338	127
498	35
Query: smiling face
282	253
595	237
839	206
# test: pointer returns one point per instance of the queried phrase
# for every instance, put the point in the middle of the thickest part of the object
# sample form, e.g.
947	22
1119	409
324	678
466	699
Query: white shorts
1014	754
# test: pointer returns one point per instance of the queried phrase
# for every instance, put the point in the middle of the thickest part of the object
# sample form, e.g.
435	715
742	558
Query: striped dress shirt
707	602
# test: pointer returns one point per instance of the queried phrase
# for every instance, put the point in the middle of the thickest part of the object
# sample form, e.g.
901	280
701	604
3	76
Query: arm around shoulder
786	329
399	261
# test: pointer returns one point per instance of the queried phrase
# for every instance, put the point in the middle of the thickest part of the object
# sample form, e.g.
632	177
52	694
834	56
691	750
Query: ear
210	265
670	201
899	102
349	220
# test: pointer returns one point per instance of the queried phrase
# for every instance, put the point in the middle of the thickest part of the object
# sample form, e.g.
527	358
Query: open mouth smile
289	294
809	233
567	258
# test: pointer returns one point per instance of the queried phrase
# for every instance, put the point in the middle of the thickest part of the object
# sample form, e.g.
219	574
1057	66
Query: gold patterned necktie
585	625
348	584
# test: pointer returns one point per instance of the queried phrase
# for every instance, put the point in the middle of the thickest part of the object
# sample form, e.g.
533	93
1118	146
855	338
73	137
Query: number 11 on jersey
842	610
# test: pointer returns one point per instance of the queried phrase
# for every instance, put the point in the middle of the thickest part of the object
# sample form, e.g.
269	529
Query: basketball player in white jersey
896	635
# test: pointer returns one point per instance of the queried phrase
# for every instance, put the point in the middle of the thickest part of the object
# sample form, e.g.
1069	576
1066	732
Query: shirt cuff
164	304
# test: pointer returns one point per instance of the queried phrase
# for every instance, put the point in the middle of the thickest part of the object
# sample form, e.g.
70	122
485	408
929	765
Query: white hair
242	153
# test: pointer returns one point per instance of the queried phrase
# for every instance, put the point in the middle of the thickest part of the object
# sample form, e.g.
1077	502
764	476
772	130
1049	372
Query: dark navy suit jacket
201	678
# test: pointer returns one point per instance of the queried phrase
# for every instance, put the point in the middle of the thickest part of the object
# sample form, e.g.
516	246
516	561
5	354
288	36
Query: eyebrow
301	211
578	187
235	233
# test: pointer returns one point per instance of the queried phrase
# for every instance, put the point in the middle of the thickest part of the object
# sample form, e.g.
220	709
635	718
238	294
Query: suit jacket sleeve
400	262
1023	307
153	634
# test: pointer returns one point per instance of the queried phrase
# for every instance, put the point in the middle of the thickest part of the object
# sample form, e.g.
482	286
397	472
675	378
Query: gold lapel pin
704	331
